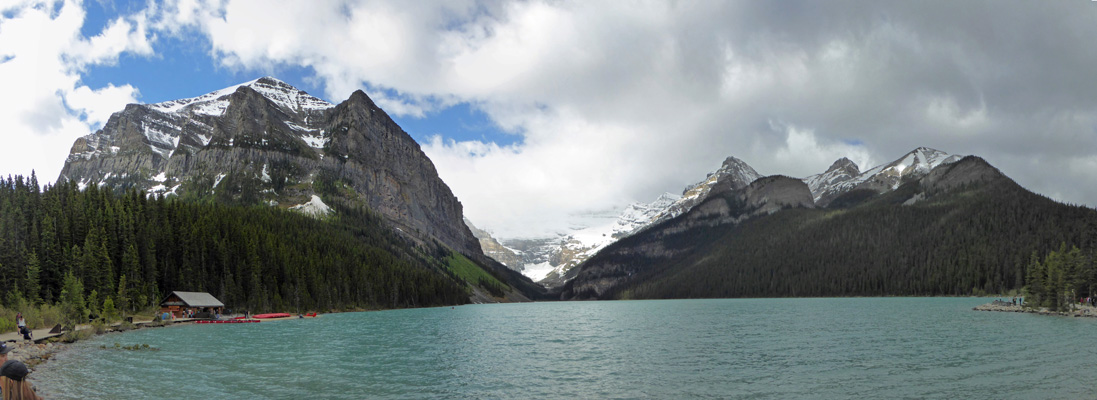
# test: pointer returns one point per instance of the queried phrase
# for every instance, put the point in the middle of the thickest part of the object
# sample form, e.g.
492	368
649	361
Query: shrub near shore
38	316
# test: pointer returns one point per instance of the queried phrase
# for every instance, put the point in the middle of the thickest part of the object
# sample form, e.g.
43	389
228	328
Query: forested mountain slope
963	228
257	258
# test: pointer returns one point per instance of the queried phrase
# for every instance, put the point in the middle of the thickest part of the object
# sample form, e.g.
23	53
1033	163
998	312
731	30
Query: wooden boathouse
179	304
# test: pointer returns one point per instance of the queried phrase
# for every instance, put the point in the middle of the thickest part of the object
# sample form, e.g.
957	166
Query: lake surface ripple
742	348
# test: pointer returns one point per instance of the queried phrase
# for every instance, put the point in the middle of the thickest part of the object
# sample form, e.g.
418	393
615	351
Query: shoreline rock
34	354
1003	306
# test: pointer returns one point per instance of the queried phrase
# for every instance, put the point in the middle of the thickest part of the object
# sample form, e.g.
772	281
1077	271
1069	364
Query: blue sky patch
462	122
184	68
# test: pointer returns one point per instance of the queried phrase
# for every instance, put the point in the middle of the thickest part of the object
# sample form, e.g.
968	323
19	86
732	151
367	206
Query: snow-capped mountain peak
733	173
737	171
845	165
639	215
843	176
920	160
917	162
834	181
189	125
215	103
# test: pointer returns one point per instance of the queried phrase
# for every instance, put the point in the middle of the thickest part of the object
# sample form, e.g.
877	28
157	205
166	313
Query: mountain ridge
548	259
962	228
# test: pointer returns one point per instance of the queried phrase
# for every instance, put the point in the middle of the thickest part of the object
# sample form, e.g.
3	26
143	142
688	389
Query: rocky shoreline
1005	306
33	354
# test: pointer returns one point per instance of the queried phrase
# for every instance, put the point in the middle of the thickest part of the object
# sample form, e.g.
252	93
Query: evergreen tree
93	304
31	285
110	313
72	300
1035	292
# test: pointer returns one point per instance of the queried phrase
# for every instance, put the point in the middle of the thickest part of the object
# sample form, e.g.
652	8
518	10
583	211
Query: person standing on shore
21	323
13	382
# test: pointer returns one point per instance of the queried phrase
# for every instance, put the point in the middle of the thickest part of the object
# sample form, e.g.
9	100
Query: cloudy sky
534	111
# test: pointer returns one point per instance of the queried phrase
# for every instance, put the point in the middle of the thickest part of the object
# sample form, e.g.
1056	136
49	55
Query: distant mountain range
549	259
928	223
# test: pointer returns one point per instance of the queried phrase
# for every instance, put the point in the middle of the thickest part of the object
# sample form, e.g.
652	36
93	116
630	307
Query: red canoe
271	315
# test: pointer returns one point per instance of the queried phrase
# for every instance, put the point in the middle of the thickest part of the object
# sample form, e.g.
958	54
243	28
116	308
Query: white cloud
45	107
619	102
807	156
97	105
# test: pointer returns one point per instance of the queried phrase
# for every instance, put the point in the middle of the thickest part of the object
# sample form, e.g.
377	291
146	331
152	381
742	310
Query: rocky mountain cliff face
492	248
266	142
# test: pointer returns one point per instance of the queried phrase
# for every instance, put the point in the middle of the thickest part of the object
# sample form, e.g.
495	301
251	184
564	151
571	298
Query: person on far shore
13	383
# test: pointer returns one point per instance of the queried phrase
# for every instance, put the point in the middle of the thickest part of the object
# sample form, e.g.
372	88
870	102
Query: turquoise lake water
741	349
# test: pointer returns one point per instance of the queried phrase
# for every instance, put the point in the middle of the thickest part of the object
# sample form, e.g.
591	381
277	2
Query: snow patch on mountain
217	181
538	272
211	103
287	96
163	137
314	207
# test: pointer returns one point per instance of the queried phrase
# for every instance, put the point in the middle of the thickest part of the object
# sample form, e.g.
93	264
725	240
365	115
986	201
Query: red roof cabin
191	305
